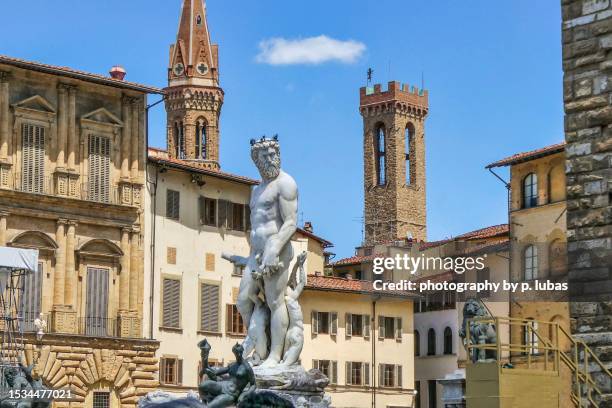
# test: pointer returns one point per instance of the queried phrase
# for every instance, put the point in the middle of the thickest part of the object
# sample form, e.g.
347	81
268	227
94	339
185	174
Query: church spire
193	58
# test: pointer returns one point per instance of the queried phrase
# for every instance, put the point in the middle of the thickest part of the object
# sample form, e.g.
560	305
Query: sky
492	68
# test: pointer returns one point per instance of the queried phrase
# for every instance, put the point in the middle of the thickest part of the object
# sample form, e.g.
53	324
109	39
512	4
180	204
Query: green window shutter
381	327
349	378
349	324
209	313
366	373
171	293
314	322
333	329
366	326
398	329
222	218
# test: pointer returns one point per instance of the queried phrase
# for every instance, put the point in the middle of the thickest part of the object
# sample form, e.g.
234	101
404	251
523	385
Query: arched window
381	176
530	257
530	191
200	139
409	153
448	341
417	343
179	139
431	342
530	338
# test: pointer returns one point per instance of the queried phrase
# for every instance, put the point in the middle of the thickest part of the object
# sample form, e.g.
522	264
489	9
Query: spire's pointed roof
193	56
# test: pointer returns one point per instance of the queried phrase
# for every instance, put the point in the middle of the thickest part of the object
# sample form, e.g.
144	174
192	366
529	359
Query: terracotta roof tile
530	155
324	242
332	283
482	233
78	74
357	259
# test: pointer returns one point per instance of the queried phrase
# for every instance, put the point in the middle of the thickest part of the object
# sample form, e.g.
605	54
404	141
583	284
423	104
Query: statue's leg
222	401
275	287
247	293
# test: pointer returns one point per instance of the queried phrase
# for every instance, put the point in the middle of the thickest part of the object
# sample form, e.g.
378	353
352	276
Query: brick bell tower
194	97
394	162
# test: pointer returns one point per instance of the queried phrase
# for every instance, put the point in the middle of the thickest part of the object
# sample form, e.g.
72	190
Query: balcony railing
88	326
108	195
36	185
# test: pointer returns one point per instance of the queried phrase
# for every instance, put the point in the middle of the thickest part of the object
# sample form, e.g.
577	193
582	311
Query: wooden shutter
381	327
171	303
314	322
209	313
334	372
398	329
366	373
247	217
366	326
99	168
315	364
348	320
202	209
381	380
162	370
179	371
173	204
33	158
398	376
223	216
229	319
96	307
333	328
349	377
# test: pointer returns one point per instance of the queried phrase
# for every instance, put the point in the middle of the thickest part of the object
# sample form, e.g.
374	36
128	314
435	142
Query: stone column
70	276
142	154
60	265
125	138
134	141
134	270
71	127
61	127
124	277
3	217
4	115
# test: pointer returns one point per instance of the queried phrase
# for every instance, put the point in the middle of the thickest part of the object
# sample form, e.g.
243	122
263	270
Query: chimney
348	276
308	226
317	273
117	72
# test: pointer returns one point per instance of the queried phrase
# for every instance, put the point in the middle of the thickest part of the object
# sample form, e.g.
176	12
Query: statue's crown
264	143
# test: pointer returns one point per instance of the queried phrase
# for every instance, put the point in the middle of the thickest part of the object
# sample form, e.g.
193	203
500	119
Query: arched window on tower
201	139
381	176
530	191
431	342
448	341
179	139
409	153
530	261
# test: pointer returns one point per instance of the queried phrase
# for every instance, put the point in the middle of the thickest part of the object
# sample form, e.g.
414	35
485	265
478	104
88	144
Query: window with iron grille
99	168
173	201
234	321
209	307
33	158
171	371
171	303
101	399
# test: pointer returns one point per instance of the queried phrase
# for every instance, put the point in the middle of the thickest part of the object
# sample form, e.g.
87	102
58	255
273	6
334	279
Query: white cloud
311	50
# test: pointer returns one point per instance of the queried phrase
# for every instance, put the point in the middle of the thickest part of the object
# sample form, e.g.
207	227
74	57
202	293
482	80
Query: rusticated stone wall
587	65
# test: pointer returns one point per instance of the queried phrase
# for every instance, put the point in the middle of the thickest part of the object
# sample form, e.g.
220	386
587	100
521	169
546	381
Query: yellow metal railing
578	359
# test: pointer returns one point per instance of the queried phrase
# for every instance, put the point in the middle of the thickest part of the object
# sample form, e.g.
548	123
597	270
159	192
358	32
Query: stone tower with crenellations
394	162
193	96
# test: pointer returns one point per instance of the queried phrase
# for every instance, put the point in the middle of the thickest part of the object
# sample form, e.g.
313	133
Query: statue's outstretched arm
235	259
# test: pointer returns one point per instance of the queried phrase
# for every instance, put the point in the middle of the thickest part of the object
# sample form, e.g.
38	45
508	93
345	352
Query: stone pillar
4	115
134	141
125	138
124	277
142	154
134	269
70	276
3	217
72	146
60	265
61	126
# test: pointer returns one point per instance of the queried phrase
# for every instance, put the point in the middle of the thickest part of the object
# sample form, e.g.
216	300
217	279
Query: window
96	319
409	153
233	216
32	293
33	160
530	337
171	256
530	257
200	139
238	270
432	393
357	373
431	342
99	168
380	156
171	371
328	368
357	325
530	191
234	324
417	343
390	375
389	328
208	211
209	307
101	399
237	217
171	303
173	203
448	341
324	323
417	397
179	139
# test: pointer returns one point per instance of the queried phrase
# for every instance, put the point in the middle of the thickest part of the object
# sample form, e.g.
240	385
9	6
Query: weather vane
370	72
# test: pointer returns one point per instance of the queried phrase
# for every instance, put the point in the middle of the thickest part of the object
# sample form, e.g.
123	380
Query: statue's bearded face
267	160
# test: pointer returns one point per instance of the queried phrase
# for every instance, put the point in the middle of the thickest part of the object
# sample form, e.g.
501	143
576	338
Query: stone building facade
71	186
587	89
394	161
193	96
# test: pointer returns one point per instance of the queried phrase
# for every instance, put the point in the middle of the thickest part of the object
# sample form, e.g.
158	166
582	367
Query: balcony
87	326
